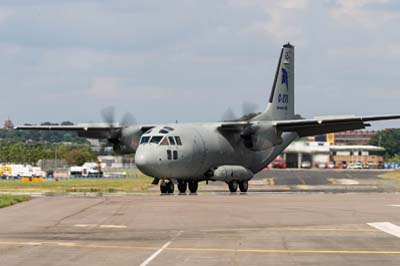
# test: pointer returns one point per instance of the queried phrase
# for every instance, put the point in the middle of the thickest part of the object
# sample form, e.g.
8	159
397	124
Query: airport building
356	137
308	154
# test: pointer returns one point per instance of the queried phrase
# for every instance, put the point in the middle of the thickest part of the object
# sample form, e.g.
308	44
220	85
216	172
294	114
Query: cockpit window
148	131
163	131
164	141
144	140
178	140
156	139
171	140
169	128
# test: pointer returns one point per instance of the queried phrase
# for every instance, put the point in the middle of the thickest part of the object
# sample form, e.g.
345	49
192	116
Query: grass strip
8	200
392	175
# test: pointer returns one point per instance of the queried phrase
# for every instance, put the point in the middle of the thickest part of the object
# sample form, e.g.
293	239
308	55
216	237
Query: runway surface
204	229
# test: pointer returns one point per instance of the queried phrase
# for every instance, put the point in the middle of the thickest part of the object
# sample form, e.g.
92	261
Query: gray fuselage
202	149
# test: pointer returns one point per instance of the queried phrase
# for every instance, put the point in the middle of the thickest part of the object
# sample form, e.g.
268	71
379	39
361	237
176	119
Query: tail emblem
285	79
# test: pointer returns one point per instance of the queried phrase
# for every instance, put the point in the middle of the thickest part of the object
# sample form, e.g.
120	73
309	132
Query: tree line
20	152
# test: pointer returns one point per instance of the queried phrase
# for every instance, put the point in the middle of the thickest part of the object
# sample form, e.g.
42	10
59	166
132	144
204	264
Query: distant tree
76	154
388	139
48	124
67	123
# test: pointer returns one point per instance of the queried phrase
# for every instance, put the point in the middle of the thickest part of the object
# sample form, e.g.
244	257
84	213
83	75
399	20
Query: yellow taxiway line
222	250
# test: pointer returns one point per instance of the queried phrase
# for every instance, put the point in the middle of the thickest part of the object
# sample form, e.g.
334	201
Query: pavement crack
76	213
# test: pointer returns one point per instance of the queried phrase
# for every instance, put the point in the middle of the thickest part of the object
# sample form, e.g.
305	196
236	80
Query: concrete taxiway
204	229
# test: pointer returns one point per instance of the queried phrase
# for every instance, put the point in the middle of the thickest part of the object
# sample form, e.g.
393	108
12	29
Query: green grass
392	175
135	182
8	200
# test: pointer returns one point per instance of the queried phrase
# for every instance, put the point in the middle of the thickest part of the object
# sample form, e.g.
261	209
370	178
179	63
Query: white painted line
32	243
85	225
66	244
155	254
112	226
387	228
394	205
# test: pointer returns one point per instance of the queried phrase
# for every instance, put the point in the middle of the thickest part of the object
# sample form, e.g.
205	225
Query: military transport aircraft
232	152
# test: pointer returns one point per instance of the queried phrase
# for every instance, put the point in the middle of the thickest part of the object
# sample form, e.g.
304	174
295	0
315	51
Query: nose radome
141	160
145	161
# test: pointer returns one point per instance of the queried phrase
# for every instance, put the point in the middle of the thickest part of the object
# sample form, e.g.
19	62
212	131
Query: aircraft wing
95	131
322	125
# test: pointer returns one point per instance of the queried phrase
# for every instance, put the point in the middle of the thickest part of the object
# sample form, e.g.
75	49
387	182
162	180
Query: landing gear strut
193	185
166	187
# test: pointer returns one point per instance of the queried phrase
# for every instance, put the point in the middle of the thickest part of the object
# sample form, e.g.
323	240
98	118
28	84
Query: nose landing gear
167	187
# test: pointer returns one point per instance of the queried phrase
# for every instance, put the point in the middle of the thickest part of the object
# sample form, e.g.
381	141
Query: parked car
357	165
306	164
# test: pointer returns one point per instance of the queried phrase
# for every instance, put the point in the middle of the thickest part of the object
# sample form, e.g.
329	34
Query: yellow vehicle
5	171
32	179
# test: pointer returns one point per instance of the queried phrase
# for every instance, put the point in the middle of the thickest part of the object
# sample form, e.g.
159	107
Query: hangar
306	154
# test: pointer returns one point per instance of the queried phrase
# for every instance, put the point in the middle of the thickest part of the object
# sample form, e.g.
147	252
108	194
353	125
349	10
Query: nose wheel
167	187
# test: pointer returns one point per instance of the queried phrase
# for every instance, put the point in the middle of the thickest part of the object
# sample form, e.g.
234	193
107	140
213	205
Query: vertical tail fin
281	101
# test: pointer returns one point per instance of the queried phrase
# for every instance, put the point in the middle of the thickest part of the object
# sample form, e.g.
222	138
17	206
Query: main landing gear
167	187
234	184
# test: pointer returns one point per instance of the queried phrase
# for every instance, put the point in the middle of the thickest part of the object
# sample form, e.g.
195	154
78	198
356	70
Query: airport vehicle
88	169
230	151
278	163
18	171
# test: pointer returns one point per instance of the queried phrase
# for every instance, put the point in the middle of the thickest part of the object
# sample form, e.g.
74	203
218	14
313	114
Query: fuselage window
171	140
145	140
175	155
178	140
156	139
164	141
169	156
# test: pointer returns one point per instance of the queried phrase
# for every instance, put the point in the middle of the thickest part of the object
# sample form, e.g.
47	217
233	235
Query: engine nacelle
265	137
228	173
121	148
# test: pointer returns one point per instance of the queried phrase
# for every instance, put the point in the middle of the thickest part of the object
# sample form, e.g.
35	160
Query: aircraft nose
145	161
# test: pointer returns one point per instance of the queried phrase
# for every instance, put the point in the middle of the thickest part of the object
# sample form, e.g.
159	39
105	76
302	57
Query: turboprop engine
261	136
228	173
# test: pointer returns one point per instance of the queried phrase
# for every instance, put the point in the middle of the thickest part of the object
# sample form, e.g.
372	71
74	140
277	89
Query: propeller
116	132
249	110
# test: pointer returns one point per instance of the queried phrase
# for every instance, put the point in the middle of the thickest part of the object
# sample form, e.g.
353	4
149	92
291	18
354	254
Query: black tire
163	187
182	186
244	186
170	187
193	185
233	186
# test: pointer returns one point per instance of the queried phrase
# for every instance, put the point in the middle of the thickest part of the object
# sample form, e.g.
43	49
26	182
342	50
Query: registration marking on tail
387	227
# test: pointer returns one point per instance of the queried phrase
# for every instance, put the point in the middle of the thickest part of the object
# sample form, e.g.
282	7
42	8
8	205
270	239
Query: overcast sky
191	60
